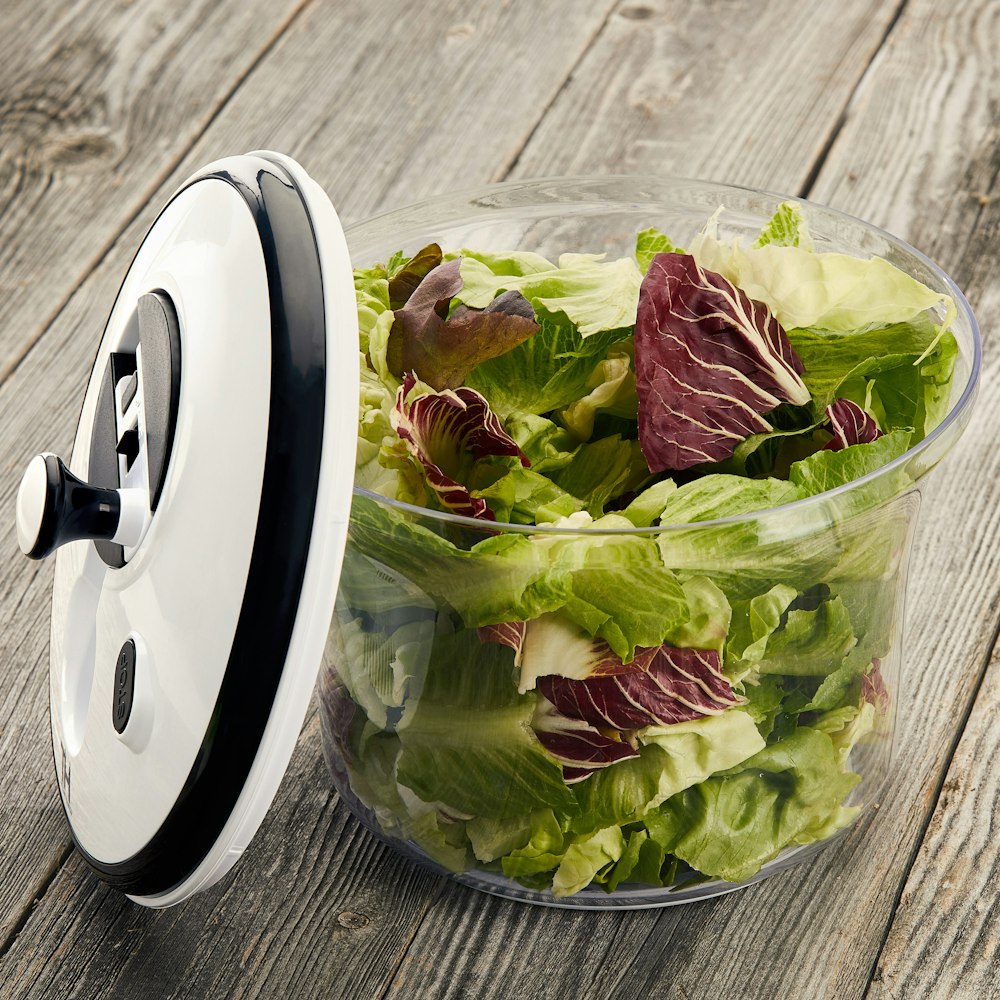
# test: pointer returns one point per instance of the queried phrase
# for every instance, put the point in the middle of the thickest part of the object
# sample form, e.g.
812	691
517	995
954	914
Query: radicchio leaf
405	281
850	424
709	361
579	747
443	349
661	686
507	634
446	432
873	687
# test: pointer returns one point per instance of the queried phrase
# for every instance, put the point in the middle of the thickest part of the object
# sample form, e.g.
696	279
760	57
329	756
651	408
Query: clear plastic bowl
427	736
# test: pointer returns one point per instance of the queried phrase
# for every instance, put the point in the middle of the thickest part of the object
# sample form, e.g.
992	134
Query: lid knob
55	507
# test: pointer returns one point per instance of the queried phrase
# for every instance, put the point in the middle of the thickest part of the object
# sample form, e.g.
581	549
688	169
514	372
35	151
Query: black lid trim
275	578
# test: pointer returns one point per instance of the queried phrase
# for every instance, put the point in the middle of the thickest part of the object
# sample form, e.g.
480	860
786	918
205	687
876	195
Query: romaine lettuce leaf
585	857
594	294
787	228
729	825
467	741
671	758
601	470
612	389
548	371
828	291
650	242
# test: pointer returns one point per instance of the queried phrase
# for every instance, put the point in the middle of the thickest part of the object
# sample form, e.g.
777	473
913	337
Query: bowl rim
961	406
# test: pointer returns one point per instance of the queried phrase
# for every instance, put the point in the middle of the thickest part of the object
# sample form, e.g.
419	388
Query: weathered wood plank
919	166
944	933
344	89
97	100
97	103
727	90
722	948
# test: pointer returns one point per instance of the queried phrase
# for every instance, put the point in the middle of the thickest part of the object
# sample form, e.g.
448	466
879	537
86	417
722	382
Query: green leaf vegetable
604	564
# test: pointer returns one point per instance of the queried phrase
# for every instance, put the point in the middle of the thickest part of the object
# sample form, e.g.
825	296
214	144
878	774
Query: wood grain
320	92
291	921
728	90
97	103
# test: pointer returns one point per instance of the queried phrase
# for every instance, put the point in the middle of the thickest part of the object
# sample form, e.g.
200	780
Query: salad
613	667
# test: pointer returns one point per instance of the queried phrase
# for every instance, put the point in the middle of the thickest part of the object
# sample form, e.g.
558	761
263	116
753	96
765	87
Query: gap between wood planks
12	366
156	182
918	846
505	171
804	191
838	125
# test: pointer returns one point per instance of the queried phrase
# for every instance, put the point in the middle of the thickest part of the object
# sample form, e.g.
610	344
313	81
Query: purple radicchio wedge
850	424
579	747
873	687
709	361
659	687
446	432
443	349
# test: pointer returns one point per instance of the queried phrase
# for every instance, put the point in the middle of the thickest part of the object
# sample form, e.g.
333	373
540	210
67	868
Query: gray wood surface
898	128
97	102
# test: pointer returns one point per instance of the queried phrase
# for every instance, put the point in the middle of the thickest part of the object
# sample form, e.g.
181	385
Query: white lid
218	436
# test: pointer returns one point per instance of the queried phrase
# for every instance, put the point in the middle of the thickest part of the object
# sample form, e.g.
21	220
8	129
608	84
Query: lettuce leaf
650	242
442	349
671	758
729	825
467	741
828	291
787	228
595	295
548	371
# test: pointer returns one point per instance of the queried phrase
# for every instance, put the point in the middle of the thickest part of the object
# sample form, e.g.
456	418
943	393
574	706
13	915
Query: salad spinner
199	527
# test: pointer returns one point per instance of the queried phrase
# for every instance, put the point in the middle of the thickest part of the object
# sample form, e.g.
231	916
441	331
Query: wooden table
888	109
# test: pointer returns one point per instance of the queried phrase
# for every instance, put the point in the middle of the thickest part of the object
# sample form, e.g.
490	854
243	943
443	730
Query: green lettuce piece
602	470
374	430
765	696
546	445
810	643
671	759
901	372
708	619
729	825
629	860
787	228
755	621
381	672
650	242
612	390
548	371
492	838
523	496
595	295
467	743
543	851
584	858
646	508
372	775
826	470
719	495
375	319
828	291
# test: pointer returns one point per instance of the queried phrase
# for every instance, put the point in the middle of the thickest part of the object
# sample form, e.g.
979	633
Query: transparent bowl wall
416	710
